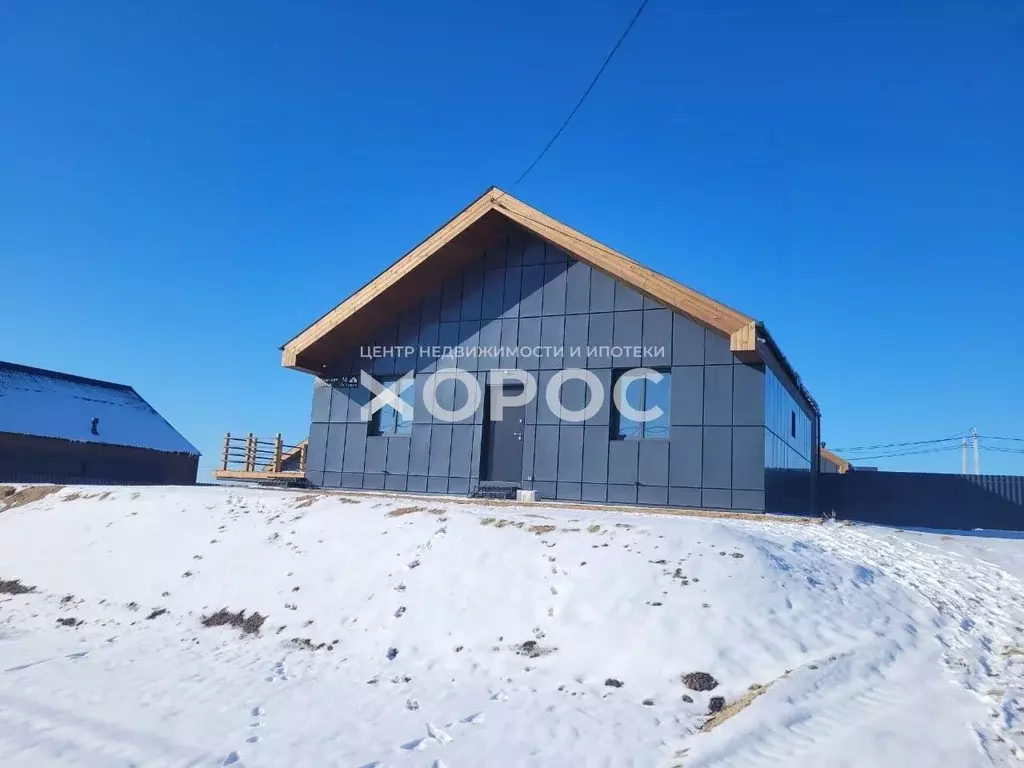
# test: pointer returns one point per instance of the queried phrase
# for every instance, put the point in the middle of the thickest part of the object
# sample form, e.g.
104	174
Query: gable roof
42	403
464	237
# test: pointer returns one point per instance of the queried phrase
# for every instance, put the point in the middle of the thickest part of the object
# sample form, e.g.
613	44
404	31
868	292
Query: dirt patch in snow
14	587
498	522
400	511
532	649
310	499
305	644
722	712
250	625
76	495
10	498
541	529
699	681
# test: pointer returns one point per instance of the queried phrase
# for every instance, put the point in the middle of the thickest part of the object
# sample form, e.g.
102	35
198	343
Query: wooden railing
260	456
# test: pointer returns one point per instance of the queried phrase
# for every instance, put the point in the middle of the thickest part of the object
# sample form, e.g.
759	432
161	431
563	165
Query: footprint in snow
439	735
277	672
476	717
232	759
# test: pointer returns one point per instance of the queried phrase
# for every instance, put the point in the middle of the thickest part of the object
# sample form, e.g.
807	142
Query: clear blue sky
186	185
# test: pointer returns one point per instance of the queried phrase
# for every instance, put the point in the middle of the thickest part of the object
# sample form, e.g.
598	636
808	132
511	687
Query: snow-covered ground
410	632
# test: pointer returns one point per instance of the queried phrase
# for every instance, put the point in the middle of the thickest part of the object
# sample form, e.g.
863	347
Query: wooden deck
256	459
240	474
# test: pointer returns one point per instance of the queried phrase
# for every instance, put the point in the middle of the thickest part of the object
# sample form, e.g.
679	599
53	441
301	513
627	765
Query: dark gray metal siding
525	292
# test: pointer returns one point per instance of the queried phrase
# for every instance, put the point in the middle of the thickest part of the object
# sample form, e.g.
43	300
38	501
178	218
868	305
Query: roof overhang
841	464
462	240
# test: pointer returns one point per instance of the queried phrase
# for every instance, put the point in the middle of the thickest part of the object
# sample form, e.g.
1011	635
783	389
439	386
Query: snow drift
218	626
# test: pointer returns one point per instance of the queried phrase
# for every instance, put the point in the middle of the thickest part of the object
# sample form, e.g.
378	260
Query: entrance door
504	439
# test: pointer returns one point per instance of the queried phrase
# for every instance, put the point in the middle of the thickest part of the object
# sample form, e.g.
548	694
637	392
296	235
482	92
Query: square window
388	421
641	395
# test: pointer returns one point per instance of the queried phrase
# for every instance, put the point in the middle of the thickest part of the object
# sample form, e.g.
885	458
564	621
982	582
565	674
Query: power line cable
586	93
993	437
900	445
899	454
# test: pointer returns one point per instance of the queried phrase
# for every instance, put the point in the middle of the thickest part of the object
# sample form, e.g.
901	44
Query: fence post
277	453
302	456
250	453
227	445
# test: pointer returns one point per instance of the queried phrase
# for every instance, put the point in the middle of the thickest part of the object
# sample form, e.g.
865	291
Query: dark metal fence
917	499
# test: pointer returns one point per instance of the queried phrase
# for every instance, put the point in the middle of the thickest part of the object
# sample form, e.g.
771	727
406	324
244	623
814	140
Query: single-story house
511	351
59	428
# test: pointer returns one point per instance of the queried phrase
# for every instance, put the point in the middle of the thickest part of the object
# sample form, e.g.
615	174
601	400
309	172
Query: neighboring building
59	428
738	429
833	463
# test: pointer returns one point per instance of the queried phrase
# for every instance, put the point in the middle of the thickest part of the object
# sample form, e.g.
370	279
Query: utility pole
977	463
963	457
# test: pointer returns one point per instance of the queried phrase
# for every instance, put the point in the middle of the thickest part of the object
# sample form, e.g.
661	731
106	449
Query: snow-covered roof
45	403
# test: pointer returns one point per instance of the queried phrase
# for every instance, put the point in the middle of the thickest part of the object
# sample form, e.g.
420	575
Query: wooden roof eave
833	458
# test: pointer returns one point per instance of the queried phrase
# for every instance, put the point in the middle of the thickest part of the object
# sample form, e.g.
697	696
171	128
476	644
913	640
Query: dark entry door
504	440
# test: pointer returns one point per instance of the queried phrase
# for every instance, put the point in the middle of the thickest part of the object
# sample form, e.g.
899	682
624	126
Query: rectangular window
642	395
386	420
792	423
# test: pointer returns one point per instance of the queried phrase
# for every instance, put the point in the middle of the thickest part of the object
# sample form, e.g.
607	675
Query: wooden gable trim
741	329
653	284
